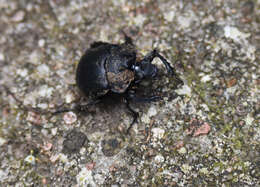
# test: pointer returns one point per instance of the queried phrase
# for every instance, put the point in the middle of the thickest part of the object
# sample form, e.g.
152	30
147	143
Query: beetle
113	68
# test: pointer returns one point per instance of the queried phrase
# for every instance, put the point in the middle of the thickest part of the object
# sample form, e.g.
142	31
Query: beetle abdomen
91	74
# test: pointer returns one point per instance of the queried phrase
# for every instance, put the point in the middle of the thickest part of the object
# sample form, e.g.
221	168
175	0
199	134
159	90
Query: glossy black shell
105	67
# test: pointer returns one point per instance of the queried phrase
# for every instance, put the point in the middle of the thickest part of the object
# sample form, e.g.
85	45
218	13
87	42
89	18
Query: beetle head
145	70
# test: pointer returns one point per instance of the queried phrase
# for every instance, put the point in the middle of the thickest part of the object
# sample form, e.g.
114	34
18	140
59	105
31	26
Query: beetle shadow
108	113
111	111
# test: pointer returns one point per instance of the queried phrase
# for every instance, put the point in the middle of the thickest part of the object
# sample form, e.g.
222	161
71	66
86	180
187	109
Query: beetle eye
136	68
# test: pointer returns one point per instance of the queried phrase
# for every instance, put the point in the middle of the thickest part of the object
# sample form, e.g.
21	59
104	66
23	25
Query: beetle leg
146	99
134	114
150	56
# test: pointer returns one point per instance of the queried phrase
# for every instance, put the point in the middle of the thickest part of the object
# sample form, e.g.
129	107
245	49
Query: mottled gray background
205	133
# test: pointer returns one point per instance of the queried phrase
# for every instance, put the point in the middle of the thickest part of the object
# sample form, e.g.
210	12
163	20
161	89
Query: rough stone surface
214	46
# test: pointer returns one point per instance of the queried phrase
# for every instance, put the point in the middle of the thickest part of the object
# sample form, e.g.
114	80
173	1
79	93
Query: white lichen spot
139	20
45	91
250	52
19	16
152	111
204	171
145	119
42	105
41	43
30	159
2	57
82	151
69	98
185	168
158	133
230	91
169	16
61	72
54	131
184	22
119	2
22	72
159	159
2	141
184	90
3	175
43	70
63	158
99	178
34	57
247	164
205	78
182	150
249	119
205	107
85	178
235	34
103	36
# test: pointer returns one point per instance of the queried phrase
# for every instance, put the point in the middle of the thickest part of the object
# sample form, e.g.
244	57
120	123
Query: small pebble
158	133
182	150
202	130
2	57
41	43
2	141
159	159
152	111
43	70
19	16
34	118
30	159
54	131
70	117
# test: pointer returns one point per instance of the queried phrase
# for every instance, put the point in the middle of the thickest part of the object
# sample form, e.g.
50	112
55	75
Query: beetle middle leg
134	114
131	95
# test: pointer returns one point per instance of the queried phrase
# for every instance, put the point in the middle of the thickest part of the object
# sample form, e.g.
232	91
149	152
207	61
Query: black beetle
114	68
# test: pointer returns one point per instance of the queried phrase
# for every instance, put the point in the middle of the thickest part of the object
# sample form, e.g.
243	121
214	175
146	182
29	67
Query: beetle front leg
146	62
150	56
